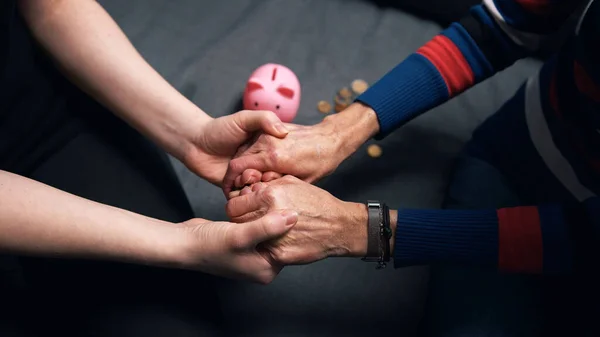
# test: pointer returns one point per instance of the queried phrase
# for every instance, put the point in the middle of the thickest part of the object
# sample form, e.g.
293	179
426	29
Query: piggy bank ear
254	85
286	92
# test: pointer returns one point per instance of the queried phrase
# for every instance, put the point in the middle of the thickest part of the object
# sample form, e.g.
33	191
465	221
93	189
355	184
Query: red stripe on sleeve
520	240
450	63
584	83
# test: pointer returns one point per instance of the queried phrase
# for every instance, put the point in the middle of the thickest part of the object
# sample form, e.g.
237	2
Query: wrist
171	248
182	129
353	126
357	220
393	225
150	241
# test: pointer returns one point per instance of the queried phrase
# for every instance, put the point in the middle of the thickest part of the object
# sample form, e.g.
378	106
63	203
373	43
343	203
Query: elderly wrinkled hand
326	226
307	152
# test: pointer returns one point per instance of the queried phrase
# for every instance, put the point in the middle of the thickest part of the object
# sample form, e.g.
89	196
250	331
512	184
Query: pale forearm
36	219
93	51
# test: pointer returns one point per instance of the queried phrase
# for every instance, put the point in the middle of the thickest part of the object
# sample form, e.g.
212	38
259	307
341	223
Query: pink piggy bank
273	87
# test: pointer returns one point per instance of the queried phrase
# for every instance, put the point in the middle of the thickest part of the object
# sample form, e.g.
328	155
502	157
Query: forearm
353	127
93	51
526	239
462	55
36	219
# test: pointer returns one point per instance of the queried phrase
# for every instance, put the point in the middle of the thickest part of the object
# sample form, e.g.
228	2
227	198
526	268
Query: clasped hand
270	174
326	226
266	173
307	152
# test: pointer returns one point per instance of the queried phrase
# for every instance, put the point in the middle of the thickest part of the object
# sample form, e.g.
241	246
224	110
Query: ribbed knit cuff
408	90
446	236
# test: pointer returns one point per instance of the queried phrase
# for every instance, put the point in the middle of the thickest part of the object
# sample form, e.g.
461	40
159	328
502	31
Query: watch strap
386	234
378	234
374	231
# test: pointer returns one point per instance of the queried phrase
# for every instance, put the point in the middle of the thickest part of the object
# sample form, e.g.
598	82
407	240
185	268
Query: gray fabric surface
207	49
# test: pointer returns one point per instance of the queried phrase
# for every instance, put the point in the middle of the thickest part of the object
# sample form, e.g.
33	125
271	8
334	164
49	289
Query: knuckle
269	194
283	256
275	156
235	166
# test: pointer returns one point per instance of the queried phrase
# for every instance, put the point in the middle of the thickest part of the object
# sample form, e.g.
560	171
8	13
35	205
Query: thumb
268	227
266	121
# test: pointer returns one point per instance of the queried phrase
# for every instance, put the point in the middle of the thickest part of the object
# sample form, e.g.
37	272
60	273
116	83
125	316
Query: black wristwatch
378	234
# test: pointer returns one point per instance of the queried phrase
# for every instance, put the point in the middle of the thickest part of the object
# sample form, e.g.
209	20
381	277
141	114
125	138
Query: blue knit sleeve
547	239
490	38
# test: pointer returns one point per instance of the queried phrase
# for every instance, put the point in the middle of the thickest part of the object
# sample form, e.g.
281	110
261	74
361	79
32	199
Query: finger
233	194
265	121
246	190
269	176
248	177
269	227
258	186
238	182
251	176
251	216
243	204
238	165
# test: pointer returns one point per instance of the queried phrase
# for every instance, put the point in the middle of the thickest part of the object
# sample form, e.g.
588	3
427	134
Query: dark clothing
467	301
53	133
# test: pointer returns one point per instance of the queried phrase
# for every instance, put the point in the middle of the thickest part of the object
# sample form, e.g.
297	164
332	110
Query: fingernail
281	128
290	216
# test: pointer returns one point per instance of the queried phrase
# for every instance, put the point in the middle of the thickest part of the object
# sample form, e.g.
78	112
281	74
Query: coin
374	150
342	100
340	107
345	93
341	103
324	107
359	86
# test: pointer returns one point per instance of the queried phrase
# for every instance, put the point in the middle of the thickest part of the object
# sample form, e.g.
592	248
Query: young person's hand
38	220
112	71
213	144
233	250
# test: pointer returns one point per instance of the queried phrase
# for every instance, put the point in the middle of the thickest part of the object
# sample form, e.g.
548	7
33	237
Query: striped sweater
559	127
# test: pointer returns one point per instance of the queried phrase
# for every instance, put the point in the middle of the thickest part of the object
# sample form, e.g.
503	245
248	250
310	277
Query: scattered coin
359	86
374	150
340	107
345	93
324	107
342	100
341	103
